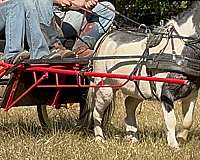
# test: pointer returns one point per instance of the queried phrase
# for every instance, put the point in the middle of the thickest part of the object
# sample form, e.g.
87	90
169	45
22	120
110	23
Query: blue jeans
77	19
37	12
14	26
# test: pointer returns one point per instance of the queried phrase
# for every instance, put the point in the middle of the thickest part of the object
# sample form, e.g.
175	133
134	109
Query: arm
3	1
75	4
71	3
90	4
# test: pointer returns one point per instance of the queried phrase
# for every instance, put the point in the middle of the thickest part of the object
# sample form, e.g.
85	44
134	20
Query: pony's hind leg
103	98
130	120
188	106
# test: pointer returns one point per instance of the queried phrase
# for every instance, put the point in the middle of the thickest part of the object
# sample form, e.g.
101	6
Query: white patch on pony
107	47
130	128
160	84
170	121
186	29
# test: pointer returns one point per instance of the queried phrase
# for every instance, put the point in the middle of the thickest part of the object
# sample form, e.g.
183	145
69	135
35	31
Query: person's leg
3	8
106	13
95	26
72	25
14	28
41	19
45	13
50	32
2	26
36	40
74	20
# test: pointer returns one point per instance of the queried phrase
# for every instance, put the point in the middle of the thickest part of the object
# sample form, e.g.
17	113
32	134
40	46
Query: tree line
149	12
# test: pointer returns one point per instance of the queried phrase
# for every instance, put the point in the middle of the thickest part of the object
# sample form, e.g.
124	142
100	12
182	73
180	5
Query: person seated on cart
87	20
10	11
78	22
88	25
15	28
35	16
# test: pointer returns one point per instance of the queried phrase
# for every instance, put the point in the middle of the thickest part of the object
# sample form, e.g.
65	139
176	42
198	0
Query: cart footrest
73	60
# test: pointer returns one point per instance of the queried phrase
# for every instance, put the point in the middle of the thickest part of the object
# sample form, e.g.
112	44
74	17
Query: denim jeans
77	19
14	26
37	12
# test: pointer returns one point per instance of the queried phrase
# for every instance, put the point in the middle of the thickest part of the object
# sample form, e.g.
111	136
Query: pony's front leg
103	98
188	106
130	120
170	121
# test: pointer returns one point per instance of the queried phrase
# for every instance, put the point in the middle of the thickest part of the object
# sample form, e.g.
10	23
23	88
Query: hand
64	3
90	4
3	1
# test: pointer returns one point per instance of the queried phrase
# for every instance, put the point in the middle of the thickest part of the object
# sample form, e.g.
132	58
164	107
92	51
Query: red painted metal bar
26	92
57	95
6	65
2	73
80	86
13	90
107	75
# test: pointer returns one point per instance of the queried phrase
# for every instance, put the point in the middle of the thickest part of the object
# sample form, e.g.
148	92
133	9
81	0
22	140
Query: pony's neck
186	29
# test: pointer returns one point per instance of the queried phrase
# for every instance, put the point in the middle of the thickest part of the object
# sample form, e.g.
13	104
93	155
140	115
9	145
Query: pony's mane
193	9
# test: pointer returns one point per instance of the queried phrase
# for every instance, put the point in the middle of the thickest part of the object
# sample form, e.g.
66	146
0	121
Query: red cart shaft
108	75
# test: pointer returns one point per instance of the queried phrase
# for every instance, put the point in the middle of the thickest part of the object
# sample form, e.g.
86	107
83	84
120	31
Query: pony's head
187	22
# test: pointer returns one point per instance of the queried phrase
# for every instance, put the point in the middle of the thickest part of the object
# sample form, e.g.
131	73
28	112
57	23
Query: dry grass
22	138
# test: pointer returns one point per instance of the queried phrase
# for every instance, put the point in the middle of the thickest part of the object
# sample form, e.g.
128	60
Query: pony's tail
109	111
86	115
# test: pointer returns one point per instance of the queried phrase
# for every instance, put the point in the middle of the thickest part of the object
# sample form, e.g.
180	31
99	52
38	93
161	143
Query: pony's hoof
99	139
175	146
131	139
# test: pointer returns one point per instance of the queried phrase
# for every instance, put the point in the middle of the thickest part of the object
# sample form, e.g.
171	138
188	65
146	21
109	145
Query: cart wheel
50	117
43	117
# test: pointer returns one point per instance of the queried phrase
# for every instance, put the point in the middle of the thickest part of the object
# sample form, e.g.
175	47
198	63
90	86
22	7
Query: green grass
21	136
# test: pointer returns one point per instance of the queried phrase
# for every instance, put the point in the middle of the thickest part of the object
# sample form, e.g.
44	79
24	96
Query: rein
169	36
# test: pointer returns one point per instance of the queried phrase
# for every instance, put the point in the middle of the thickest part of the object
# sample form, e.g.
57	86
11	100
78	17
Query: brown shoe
18	58
83	52
59	50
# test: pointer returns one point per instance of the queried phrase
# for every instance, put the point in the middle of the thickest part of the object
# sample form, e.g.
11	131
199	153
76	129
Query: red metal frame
68	69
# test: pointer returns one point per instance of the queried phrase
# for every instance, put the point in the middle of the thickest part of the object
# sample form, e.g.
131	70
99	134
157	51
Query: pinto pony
128	43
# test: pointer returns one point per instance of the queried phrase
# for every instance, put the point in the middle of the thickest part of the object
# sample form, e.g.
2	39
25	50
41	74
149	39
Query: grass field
21	136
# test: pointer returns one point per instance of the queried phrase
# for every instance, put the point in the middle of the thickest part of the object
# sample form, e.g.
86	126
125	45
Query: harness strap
139	67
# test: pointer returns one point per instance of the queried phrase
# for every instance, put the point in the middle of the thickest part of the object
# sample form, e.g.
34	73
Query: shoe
18	58
69	54
52	56
58	50
83	52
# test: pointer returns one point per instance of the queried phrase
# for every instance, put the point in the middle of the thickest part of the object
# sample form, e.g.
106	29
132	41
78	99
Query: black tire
50	117
43	117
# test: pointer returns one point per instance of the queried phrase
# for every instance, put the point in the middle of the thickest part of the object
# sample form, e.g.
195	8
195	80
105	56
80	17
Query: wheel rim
64	117
43	116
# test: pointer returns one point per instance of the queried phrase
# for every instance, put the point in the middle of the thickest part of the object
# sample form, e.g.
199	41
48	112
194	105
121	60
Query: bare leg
130	120
103	98
187	110
170	121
